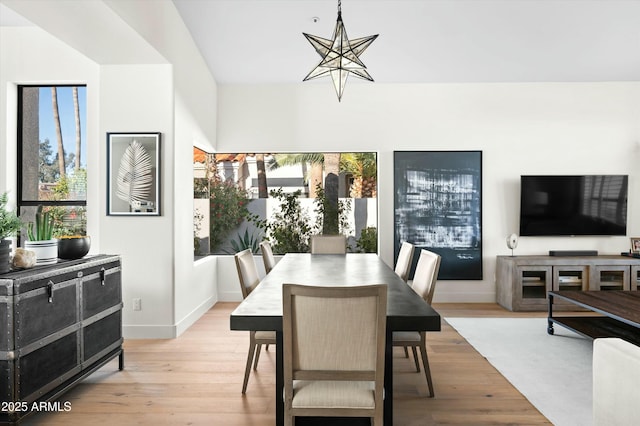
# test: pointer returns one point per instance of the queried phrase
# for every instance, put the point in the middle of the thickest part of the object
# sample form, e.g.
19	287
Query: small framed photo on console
635	245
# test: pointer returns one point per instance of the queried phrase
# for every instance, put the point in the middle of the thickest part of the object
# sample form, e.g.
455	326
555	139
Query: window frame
20	201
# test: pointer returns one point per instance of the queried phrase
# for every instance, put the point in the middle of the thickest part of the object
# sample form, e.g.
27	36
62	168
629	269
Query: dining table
262	308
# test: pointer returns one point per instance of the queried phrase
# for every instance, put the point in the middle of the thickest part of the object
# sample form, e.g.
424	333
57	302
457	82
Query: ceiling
421	41
261	41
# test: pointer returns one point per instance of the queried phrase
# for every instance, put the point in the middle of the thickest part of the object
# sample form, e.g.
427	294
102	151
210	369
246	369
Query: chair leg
406	352
247	370
425	364
415	358
289	420
255	361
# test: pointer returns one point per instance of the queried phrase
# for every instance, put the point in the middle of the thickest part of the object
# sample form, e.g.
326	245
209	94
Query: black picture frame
133	174
438	207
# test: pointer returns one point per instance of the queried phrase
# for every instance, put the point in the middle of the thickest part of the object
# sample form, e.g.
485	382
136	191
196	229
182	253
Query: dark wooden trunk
58	324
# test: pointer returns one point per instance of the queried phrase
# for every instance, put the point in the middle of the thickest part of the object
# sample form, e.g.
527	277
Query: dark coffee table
618	314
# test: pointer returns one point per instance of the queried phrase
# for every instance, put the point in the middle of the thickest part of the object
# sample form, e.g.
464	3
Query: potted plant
73	246
70	230
10	224
41	239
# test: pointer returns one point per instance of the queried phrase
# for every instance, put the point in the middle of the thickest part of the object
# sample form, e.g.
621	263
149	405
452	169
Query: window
52	165
241	199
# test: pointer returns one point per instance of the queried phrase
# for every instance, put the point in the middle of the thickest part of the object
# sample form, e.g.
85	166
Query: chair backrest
403	264
328	244
334	333
267	256
426	275
247	272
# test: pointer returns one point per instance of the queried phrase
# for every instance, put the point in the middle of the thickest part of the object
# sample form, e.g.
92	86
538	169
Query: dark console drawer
100	290
43	369
101	335
44	311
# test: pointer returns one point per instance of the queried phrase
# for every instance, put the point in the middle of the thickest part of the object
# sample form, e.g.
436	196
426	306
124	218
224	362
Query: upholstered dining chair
328	244
267	256
249	280
403	264
424	283
333	351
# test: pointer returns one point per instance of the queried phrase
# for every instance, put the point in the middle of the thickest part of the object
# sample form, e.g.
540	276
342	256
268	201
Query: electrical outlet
137	304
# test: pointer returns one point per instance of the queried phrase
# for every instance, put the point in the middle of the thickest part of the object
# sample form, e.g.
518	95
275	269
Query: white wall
194	118
537	128
145	243
171	91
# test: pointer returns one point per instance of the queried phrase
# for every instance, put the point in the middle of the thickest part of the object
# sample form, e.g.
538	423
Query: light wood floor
196	380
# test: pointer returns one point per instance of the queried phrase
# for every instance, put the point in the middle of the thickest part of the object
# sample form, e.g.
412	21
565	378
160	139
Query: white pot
46	251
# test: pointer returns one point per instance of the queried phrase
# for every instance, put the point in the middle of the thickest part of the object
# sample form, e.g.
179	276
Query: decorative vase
46	251
5	250
74	247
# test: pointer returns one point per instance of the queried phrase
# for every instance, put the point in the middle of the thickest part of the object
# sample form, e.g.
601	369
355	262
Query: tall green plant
289	228
43	229
228	208
326	212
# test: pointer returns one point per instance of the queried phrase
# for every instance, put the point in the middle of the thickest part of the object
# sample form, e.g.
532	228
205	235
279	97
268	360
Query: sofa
616	382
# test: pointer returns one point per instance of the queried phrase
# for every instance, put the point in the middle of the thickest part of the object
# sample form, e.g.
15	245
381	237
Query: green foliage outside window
228	210
69	220
368	241
337	221
289	229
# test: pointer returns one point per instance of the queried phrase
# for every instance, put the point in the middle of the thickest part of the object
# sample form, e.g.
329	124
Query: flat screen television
573	205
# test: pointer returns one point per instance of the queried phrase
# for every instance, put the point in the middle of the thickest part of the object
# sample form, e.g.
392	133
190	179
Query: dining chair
333	351
403	268
328	244
403	264
424	283
267	256
249	280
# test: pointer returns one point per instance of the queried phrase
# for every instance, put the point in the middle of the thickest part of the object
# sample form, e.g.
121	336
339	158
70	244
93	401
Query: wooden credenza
58	324
523	282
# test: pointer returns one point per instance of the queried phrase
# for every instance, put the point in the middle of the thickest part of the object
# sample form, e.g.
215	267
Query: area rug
552	372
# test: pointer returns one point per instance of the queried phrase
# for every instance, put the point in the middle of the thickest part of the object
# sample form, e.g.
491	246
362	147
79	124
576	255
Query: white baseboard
467	297
167	331
194	315
229	296
148	331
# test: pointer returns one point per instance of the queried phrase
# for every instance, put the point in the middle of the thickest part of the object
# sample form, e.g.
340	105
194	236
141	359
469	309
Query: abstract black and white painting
438	207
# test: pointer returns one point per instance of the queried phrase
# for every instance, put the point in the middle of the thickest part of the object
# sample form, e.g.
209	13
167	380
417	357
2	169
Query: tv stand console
523	282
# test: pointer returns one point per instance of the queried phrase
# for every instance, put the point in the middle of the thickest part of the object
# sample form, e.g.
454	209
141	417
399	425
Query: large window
52	165
241	199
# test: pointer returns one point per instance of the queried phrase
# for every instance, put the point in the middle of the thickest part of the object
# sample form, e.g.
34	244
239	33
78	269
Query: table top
622	305
262	309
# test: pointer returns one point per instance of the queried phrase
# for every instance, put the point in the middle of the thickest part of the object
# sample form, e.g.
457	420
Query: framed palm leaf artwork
133	180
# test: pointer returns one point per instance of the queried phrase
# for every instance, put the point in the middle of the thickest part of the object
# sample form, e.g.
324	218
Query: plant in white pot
10	224
41	239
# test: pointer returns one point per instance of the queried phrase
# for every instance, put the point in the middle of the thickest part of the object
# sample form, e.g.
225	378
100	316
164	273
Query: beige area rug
552	372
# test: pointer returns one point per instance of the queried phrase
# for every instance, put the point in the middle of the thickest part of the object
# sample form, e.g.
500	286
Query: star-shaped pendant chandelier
340	56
